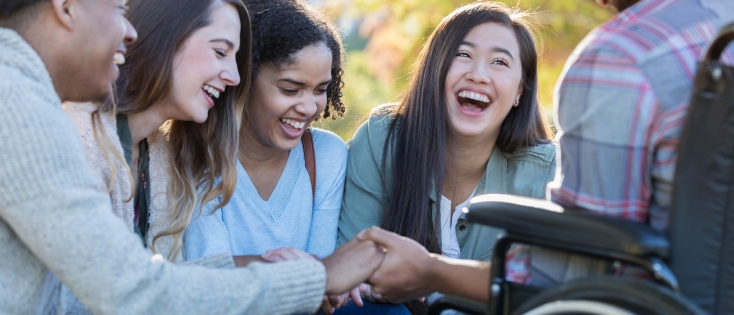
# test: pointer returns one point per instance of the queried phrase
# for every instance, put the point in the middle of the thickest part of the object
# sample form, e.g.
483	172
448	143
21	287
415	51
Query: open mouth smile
211	91
472	101
292	123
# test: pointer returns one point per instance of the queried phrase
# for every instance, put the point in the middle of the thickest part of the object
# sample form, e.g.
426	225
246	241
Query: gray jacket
52	218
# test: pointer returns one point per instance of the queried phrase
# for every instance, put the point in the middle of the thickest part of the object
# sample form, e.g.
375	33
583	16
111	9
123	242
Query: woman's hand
332	302
285	253
372	296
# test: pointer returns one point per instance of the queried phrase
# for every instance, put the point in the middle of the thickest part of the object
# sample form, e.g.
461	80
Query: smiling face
101	40
205	65
284	100
484	81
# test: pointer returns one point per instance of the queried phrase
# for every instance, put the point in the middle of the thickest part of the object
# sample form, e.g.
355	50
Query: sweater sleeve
331	157
50	202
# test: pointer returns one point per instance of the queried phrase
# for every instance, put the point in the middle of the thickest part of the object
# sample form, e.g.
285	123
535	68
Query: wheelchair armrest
457	303
549	223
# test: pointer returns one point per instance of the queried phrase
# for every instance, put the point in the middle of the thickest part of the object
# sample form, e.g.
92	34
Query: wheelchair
692	266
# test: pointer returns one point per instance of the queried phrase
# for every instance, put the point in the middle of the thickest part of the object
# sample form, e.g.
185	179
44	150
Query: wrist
432	271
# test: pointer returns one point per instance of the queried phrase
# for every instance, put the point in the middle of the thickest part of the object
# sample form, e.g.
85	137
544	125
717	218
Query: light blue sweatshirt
249	225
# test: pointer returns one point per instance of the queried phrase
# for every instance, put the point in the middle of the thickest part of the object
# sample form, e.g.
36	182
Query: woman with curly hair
279	201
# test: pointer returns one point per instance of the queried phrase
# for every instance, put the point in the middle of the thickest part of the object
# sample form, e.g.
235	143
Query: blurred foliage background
383	38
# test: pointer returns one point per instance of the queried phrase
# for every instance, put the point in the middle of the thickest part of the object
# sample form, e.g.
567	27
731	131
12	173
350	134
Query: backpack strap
310	156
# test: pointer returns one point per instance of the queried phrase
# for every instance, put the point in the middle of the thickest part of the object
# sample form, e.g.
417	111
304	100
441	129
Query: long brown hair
203	156
419	136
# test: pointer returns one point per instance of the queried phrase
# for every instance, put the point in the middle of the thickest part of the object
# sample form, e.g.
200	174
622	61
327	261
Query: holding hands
405	271
396	268
330	302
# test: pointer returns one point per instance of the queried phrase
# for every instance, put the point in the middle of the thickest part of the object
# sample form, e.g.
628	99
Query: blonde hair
110	152
203	156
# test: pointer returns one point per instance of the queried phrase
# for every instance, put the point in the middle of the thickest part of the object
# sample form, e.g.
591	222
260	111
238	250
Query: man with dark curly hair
54	222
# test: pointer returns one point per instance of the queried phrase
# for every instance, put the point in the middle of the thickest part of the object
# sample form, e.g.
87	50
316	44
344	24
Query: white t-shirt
449	241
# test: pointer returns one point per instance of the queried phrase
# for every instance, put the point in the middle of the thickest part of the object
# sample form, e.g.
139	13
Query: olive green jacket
524	172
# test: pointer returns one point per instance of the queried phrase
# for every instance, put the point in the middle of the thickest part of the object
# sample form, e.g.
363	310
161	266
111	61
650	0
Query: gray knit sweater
53	218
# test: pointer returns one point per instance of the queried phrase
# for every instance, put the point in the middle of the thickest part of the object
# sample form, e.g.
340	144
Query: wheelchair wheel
608	296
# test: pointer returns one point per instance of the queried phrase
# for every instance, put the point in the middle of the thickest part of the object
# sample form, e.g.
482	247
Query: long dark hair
204	155
280	28
420	132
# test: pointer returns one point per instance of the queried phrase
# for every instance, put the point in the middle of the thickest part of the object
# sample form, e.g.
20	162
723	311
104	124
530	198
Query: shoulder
331	152
542	154
648	27
372	134
325	140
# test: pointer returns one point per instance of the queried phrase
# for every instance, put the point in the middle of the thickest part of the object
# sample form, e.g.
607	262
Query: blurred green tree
383	38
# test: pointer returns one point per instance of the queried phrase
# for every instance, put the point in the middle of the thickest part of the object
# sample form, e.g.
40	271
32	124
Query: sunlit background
383	38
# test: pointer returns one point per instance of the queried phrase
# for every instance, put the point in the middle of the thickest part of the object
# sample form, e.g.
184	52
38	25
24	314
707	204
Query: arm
364	188
60	221
409	271
331	167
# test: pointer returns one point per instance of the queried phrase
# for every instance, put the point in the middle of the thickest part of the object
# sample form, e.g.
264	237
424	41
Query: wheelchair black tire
637	296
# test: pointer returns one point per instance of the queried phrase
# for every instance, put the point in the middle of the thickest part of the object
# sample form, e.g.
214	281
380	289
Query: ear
63	12
517	97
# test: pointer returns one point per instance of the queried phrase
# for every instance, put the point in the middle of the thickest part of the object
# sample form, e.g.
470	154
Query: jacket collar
496	170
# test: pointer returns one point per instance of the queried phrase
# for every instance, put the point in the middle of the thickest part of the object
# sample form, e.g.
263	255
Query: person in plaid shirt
621	102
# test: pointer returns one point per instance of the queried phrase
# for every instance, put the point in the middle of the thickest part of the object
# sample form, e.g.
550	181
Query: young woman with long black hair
468	124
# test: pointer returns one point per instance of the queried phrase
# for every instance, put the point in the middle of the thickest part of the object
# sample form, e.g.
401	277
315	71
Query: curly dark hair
280	28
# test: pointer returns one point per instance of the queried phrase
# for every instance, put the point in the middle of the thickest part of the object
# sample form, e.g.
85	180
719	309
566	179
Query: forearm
460	277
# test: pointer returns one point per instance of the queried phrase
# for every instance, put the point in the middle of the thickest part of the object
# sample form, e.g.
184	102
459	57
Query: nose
481	74
131	35
308	105
230	75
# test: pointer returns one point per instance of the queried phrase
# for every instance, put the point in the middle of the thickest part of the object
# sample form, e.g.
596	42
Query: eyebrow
223	40
299	83
494	48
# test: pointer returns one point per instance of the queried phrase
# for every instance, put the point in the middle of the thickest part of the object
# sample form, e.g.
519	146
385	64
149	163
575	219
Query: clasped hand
394	266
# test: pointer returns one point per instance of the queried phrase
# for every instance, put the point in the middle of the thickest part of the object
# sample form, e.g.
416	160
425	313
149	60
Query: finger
299	254
383	238
356	297
326	307
335	301
270	257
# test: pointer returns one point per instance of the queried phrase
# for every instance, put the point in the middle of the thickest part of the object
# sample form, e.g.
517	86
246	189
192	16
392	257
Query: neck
253	152
41	38
468	157
144	123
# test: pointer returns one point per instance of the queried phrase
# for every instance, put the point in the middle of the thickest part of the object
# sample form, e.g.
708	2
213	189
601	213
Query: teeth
474	96
119	58
294	124
212	91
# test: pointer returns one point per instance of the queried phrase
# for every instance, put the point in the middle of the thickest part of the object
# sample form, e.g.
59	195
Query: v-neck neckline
278	201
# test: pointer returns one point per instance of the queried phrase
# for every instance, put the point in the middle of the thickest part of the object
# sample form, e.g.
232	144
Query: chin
287	145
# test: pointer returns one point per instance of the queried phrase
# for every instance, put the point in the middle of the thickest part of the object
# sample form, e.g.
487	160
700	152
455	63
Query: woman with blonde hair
168	141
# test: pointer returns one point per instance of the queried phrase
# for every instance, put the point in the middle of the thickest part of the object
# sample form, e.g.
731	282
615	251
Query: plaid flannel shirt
620	106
